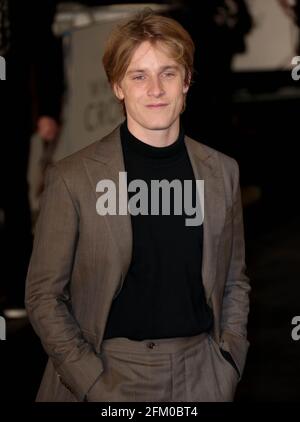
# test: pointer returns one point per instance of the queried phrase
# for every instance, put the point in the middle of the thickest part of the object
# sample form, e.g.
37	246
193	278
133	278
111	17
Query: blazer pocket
227	356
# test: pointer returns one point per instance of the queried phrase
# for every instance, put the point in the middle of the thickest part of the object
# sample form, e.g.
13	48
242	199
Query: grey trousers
190	369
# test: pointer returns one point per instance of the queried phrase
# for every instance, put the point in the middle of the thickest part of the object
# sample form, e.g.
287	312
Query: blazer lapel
106	163
206	167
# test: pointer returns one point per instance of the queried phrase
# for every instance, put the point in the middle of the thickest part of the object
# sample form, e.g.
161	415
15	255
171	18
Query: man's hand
47	128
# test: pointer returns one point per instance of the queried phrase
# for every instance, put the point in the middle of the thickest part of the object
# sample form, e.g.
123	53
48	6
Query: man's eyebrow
170	67
135	71
162	69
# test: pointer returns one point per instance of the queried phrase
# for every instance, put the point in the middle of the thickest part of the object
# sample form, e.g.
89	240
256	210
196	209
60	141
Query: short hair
147	26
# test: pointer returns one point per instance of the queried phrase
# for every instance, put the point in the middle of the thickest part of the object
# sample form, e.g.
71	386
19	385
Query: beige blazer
80	260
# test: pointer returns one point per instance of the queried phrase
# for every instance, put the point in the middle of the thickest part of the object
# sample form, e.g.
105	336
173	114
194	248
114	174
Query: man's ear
186	88
118	91
187	85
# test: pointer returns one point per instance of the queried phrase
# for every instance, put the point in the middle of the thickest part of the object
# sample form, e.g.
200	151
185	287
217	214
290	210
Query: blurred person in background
218	28
292	9
30	100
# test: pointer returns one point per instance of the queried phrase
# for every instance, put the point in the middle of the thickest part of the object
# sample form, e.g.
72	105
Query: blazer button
151	345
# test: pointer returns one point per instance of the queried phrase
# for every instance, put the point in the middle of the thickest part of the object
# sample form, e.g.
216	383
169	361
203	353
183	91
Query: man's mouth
159	105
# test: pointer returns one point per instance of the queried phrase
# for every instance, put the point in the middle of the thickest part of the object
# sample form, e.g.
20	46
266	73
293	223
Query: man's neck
156	138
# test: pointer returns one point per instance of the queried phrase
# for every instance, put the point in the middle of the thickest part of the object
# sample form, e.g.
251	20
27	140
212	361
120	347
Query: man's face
153	90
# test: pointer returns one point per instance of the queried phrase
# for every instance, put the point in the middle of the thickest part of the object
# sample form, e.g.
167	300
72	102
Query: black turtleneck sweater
162	294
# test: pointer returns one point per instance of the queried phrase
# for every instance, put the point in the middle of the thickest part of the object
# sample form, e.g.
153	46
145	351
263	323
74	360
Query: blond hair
147	26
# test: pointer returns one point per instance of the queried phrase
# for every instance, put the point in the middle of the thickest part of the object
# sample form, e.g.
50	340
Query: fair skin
47	128
153	90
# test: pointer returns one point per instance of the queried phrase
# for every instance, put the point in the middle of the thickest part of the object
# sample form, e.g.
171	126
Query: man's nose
155	87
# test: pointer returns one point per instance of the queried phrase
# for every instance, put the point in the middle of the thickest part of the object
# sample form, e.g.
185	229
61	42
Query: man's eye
139	77
168	74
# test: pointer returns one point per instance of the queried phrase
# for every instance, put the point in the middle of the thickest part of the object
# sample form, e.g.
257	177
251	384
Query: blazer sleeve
47	297
235	307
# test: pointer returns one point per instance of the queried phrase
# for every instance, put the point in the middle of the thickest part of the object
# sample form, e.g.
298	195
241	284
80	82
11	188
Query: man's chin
159	125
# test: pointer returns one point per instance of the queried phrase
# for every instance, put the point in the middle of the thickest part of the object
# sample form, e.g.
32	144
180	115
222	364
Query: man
143	306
